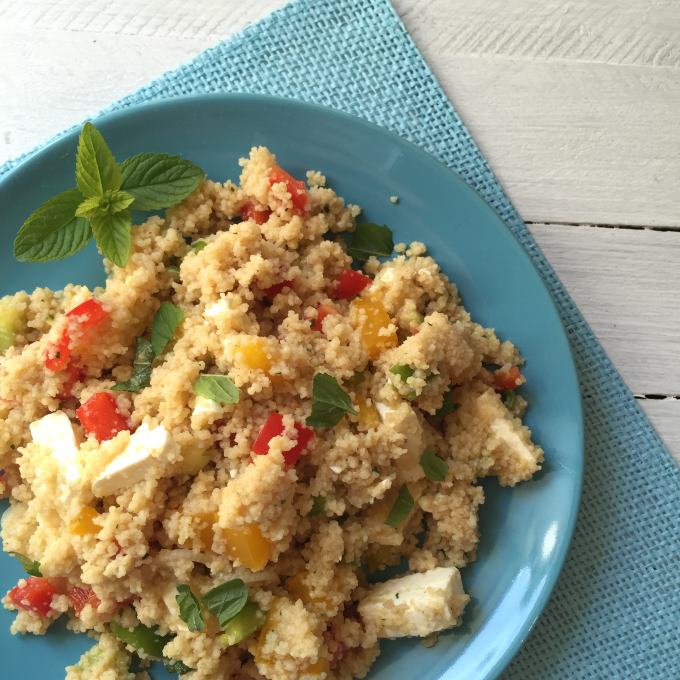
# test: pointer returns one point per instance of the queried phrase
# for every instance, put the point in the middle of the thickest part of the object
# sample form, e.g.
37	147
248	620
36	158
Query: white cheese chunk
55	432
403	420
205	406
505	431
149	454
216	309
415	605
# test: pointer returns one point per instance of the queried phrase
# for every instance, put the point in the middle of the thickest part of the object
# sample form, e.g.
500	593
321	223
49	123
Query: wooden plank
626	283
574	104
552	91
665	416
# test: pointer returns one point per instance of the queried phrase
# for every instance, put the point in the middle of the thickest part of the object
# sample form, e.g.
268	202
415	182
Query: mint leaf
113	235
141	368
218	388
329	402
164	324
197	246
89	207
370	239
434	467
96	167
403	505
142	637
53	231
31	567
509	399
189	608
227	600
157	180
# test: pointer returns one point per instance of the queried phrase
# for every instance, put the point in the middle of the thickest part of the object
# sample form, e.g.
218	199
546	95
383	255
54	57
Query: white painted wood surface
574	102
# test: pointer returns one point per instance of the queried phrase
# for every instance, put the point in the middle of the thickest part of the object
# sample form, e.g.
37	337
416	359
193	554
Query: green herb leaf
53	231
403	505
141	368
112	233
227	600
448	406
96	167
164	324
370	239
509	399
329	402
176	666
142	637
318	506
157	180
434	467
243	625
189	608
403	371
31	567
110	203
197	246
217	388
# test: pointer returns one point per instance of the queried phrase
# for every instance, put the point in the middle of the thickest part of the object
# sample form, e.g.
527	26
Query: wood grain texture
626	283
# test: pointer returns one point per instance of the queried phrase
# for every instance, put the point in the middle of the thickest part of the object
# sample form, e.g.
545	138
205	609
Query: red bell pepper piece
507	379
35	595
273	427
350	284
250	212
100	416
79	597
322	312
274	290
295	187
82	320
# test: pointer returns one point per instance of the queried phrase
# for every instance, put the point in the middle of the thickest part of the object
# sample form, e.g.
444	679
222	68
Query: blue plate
526	530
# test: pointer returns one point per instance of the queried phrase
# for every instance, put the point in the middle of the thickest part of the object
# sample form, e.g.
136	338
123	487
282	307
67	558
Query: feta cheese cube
150	453
415	605
55	432
403	420
208	407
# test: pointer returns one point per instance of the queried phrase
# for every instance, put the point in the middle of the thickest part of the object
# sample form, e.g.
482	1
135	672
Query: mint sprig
329	402
102	202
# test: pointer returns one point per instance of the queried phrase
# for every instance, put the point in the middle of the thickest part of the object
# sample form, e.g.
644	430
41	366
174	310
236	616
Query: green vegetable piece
96	167
434	467
227	600
510	399
164	324
157	180
142	637
141	368
217	388
31	567
403	371
10	321
176	666
53	231
189	608
113	235
356	379
448	406
403	505
197	246
243	625
329	402
370	239
318	506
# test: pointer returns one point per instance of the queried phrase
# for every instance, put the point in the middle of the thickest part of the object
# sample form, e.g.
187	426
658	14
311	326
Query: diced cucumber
244	624
10	322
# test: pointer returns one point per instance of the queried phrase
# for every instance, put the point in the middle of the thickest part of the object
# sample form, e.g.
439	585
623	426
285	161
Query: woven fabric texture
615	611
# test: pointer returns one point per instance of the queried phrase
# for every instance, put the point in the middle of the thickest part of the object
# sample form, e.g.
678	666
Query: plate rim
24	164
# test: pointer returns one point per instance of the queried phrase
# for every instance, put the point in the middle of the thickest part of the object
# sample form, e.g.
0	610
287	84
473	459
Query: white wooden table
574	102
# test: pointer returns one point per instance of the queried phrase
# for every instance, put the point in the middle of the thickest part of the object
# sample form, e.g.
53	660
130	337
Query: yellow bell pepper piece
373	321
247	545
